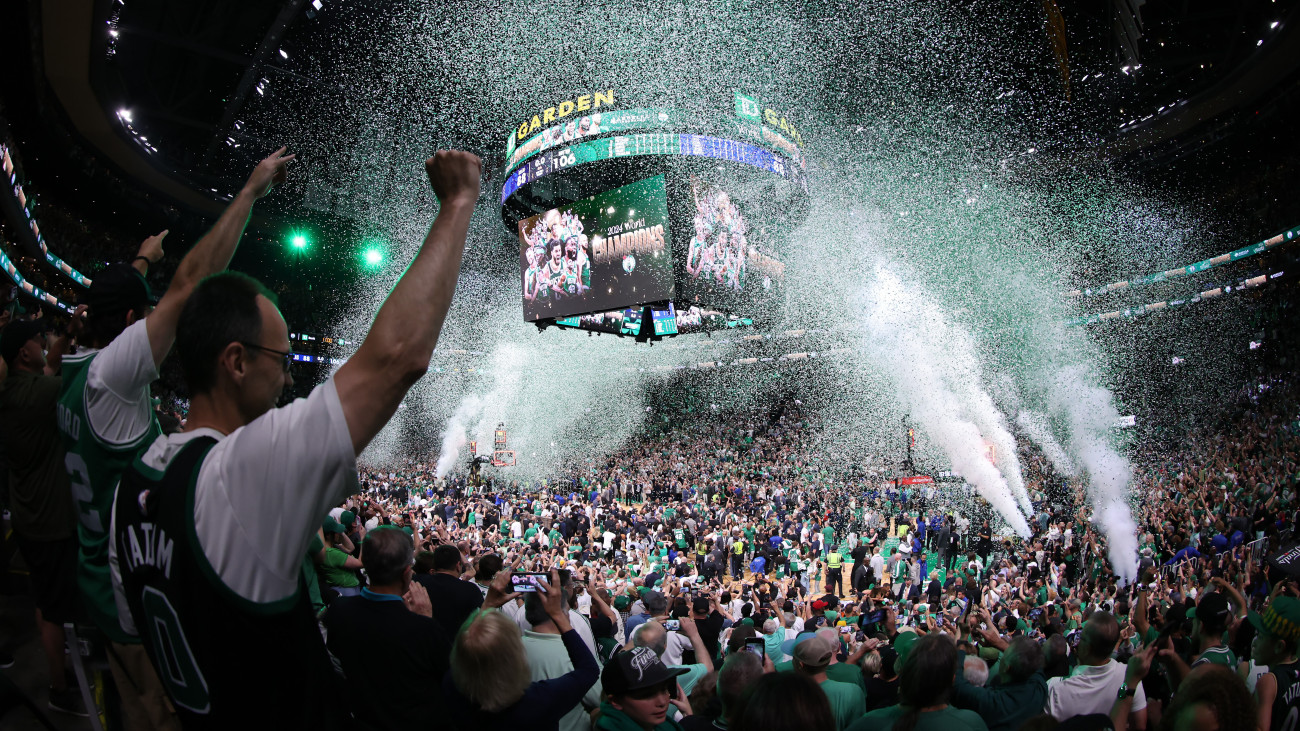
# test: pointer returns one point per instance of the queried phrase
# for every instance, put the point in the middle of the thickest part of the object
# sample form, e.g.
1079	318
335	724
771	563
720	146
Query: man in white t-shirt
210	526
108	416
1098	681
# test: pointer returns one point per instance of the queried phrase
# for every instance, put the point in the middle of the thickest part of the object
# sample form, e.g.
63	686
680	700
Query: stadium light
299	241
372	256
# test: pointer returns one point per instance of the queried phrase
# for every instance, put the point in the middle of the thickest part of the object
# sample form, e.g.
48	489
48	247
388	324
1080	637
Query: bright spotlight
372	256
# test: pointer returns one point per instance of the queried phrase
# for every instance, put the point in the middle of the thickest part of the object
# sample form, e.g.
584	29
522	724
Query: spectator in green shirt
811	657
338	568
925	682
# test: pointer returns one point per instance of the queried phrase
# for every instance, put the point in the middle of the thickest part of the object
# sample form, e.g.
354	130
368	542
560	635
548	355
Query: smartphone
846	630
755	645
875	617
672	625
527	581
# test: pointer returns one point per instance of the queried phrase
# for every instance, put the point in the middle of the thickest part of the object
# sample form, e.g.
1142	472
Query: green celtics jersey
94	468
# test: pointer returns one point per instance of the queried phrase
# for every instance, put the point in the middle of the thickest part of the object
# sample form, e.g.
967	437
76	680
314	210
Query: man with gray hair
652	634
1015	693
392	650
975	671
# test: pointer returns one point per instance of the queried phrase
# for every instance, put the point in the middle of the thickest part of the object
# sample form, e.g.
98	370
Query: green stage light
373	257
299	242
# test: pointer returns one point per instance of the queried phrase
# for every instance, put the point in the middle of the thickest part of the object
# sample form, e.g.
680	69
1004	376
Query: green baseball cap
903	646
1281	618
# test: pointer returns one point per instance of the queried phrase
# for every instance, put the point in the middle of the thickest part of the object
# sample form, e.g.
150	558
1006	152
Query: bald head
651	634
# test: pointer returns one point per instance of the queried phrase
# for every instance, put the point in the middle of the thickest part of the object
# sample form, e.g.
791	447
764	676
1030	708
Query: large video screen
728	260
598	254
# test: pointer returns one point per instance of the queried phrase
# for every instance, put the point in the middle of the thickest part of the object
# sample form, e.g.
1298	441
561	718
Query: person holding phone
490	685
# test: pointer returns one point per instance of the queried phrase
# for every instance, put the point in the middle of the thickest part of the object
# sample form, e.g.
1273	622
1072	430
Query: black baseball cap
640	668
1212	609
117	290
16	334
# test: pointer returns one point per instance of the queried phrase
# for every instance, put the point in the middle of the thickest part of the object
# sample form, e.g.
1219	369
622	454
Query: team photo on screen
597	254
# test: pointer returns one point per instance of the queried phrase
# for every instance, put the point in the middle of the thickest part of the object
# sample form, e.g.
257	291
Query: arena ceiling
167	94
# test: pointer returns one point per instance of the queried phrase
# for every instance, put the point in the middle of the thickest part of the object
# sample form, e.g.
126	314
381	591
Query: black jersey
1286	704
226	662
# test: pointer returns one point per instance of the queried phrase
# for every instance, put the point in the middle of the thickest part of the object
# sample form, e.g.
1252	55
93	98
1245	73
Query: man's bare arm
396	351
211	254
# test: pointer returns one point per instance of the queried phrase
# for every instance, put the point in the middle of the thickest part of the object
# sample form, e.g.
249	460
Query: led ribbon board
601	124
590	126
687	145
28	287
1200	266
7	163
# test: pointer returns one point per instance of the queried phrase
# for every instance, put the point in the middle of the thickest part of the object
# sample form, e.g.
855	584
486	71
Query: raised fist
454	175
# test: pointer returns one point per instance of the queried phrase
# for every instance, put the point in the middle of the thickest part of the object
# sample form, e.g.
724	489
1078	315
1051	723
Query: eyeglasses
286	357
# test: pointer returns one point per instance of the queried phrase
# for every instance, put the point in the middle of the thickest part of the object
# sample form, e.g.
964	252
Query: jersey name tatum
149	547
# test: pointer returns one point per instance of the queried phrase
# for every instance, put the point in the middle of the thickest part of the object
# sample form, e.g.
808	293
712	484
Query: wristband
146	260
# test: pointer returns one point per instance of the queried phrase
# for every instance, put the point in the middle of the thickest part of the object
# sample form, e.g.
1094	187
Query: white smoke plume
1036	426
911	340
454	436
1089	411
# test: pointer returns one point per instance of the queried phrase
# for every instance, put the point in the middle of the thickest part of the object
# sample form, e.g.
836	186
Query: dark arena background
805	276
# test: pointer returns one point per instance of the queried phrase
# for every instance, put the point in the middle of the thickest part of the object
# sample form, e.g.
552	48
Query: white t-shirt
261	493
677	643
117	387
1089	689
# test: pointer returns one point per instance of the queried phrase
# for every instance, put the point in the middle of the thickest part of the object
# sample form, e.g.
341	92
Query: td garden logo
747	107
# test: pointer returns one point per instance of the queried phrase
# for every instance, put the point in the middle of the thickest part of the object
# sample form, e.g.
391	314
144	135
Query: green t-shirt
309	573
94	465
848	702
946	719
845	673
554	537
828	535
528	534
1220	655
332	570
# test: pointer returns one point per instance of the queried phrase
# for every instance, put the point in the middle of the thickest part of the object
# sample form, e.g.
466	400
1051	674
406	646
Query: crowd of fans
725	535
720	573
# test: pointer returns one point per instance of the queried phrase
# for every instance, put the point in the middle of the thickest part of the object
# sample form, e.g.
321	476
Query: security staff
835	571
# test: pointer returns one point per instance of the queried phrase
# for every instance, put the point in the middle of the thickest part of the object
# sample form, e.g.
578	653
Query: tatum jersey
97	453
1286	704
188	618
208	537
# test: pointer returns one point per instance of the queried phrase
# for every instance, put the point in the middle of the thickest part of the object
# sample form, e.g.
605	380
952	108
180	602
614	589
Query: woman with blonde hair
489	684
